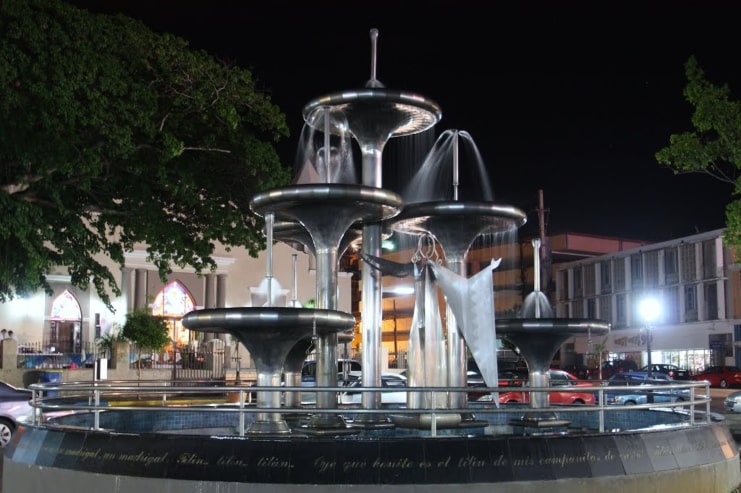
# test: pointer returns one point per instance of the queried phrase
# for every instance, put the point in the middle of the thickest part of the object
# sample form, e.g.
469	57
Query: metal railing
56	354
97	397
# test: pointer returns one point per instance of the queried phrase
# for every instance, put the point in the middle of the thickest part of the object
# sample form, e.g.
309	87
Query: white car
732	402
390	380
15	407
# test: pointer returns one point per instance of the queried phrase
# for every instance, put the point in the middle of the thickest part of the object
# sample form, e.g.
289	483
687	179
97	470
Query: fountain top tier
372	113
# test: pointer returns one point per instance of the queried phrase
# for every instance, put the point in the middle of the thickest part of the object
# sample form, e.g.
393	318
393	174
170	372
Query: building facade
696	281
71	319
695	278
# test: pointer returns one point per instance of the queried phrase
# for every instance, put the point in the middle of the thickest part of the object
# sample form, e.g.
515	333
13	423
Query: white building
696	280
72	318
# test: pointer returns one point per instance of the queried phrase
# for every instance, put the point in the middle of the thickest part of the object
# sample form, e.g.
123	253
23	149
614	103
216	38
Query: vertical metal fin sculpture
426	352
472	303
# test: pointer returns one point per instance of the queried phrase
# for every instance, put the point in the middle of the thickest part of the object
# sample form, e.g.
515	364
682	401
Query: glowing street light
649	310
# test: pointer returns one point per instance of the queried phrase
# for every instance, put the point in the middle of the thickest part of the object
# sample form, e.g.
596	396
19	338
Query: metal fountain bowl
298	202
539	338
366	110
256	318
480	217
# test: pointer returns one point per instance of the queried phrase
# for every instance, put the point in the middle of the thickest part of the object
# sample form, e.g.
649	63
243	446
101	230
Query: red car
720	376
568	391
506	379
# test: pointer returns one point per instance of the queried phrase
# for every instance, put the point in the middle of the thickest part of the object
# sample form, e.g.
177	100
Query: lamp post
649	312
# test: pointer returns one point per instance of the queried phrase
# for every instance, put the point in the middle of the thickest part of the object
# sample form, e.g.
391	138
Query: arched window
65	307
64	325
171	303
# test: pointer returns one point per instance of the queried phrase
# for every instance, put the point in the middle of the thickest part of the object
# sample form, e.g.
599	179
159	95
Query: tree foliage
113	136
105	342
145	330
714	147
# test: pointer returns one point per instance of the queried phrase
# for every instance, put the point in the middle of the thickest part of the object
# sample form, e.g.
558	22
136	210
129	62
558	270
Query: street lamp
650	310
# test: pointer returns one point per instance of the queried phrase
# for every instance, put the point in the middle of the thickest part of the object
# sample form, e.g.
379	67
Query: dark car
610	368
513	378
673	371
638	378
579	371
720	376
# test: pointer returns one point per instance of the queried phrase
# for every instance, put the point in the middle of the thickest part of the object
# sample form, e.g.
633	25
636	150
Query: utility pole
544	250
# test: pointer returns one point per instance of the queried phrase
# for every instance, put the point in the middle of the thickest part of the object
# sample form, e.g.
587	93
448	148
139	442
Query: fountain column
372	116
296	235
327	212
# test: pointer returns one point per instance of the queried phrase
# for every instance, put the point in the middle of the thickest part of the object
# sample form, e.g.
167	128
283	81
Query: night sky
571	100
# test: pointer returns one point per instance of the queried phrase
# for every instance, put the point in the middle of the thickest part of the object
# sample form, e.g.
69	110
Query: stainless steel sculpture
322	214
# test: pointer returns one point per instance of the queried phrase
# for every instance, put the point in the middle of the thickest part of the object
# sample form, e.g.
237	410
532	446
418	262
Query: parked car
634	395
391	380
15	408
631	399
637	378
579	371
732	402
507	378
609	368
567	393
513	378
345	367
720	376
475	381
673	371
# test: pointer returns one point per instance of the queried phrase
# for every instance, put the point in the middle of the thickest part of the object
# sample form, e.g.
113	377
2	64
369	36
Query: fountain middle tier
269	333
327	212
457	224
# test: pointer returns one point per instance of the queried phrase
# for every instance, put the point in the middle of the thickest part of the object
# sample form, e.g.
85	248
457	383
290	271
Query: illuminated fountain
322	213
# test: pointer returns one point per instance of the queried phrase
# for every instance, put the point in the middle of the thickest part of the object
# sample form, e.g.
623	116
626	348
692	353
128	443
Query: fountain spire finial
456	171
536	264
373	82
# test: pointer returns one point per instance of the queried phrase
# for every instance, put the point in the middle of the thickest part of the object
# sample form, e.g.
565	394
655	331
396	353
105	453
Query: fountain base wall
696	458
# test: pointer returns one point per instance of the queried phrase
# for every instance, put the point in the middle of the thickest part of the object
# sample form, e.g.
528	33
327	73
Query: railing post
96	423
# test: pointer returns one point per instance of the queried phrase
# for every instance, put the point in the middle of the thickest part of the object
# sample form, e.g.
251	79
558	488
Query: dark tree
114	137
714	147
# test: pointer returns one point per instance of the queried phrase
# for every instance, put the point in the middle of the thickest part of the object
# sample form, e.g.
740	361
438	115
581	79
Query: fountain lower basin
269	333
